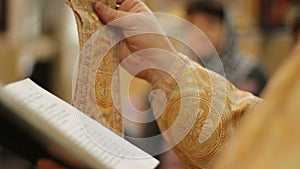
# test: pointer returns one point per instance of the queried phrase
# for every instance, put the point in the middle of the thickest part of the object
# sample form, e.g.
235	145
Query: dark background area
3	13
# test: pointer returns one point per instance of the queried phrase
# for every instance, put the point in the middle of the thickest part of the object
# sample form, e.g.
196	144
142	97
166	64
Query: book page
107	147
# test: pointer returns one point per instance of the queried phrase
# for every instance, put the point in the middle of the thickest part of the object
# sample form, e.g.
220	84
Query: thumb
107	14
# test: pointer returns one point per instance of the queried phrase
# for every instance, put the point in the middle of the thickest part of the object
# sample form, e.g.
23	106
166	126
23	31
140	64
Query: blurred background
38	39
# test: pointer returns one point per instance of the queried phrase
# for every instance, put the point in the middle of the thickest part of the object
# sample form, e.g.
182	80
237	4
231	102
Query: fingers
127	7
107	14
48	164
133	6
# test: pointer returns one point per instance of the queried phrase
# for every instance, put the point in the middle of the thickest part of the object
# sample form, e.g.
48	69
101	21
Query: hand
48	164
142	32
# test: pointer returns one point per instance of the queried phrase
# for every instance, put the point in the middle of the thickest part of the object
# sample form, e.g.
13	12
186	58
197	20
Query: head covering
235	65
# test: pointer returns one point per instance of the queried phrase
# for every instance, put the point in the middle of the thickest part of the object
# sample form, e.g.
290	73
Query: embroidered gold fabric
100	85
269	138
206	100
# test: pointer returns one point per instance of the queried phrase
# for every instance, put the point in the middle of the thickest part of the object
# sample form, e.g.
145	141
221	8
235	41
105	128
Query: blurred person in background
211	18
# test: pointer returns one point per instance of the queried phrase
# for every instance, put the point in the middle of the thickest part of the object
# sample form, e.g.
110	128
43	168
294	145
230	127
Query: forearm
202	111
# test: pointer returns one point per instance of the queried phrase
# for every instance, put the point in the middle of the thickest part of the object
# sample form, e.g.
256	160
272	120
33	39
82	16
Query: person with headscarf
211	18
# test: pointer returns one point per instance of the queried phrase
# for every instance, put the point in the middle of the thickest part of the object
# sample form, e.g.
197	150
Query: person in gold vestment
231	128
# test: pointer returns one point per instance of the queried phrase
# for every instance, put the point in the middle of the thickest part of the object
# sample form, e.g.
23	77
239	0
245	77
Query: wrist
168	81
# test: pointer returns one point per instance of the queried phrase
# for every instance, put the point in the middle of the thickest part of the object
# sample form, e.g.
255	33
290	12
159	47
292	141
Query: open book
37	124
